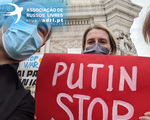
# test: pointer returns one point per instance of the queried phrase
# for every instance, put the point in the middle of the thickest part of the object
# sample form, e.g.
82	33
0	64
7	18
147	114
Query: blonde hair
146	28
107	30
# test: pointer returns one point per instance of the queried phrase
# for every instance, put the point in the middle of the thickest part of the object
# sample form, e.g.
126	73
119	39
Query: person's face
97	36
42	30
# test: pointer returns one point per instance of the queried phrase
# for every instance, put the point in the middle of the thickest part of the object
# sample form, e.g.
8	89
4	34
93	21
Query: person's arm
25	111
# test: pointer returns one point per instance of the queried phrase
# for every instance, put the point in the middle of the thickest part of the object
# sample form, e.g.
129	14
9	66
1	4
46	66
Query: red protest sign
92	87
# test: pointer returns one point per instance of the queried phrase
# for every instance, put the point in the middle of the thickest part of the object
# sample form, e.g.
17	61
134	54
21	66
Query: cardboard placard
92	87
28	69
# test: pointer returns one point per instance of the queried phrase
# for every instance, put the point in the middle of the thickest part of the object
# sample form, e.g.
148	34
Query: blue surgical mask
21	40
96	49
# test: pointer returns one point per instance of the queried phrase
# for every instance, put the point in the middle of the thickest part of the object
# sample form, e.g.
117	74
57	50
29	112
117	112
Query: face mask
21	40
97	49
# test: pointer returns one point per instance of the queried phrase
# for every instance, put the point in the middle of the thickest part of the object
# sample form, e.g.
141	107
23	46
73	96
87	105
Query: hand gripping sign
92	87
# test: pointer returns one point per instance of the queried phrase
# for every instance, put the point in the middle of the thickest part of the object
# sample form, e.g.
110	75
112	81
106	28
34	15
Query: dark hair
101	27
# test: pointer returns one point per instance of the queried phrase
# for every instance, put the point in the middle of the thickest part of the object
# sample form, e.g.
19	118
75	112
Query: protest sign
28	69
92	87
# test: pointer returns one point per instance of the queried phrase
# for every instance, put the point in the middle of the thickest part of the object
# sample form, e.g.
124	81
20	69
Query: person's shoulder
13	66
8	72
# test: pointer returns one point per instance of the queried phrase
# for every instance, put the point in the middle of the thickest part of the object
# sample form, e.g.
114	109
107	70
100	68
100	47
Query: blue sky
136	29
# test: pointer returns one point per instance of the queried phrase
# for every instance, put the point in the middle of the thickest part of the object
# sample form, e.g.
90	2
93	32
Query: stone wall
118	15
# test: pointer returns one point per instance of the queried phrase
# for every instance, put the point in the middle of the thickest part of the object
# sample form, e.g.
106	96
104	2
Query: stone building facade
118	15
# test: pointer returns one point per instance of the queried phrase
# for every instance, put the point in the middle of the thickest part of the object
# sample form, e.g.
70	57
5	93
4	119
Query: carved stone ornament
125	45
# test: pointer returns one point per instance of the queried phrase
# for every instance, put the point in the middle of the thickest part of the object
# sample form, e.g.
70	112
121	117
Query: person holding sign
98	40
146	34
18	41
